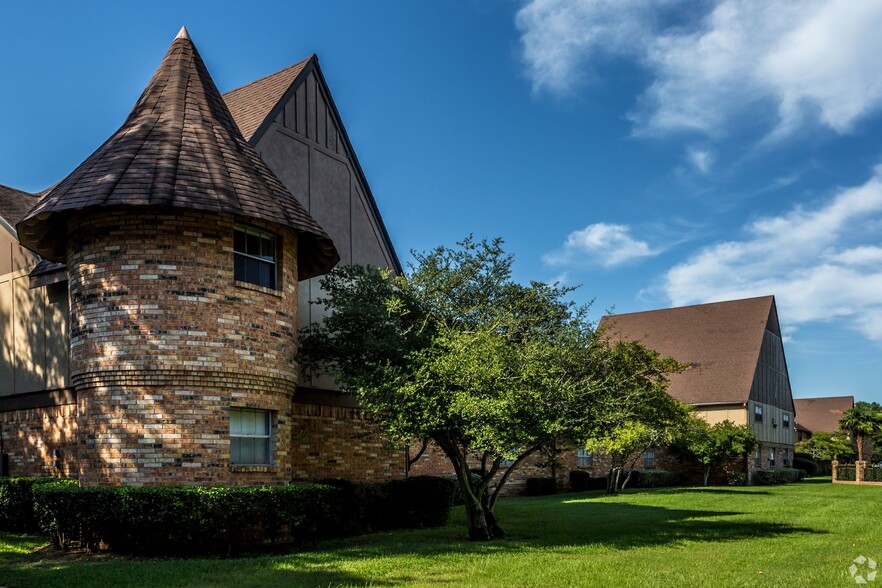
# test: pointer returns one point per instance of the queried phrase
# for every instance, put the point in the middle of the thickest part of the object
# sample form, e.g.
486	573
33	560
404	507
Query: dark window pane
252	246
239	268
265	273
252	271
239	241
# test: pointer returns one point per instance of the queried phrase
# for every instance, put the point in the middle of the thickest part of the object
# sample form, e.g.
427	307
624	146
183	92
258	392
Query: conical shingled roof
178	148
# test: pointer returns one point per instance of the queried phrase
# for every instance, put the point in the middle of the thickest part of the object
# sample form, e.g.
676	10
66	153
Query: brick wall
339	442
164	342
32	436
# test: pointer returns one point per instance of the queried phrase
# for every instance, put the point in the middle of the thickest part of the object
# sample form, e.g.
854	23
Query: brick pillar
835	465
859	467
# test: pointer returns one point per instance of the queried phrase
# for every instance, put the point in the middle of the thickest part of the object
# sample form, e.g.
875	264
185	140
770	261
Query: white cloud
807	60
821	263
601	243
701	159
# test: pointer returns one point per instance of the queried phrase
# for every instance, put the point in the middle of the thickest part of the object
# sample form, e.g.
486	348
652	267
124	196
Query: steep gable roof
179	148
15	204
257	104
821	414
251	104
720	342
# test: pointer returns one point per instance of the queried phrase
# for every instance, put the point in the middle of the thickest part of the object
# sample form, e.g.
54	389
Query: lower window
585	458
250	437
648	459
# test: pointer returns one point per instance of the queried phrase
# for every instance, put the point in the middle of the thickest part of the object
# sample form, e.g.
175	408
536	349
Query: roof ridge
275	73
751	298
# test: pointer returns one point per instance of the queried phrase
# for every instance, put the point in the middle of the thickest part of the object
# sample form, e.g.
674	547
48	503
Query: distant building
737	367
815	415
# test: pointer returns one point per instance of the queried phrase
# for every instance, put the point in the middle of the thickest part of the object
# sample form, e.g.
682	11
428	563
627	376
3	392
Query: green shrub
475	479
580	480
655	479
774	476
736	479
803	463
846	473
17	502
416	502
177	519
873	474
541	486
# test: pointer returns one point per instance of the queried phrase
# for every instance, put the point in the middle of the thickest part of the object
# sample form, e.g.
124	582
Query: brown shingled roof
821	414
721	342
180	148
250	104
14	204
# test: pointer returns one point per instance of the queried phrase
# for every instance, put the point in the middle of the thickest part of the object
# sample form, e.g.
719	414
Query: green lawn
800	535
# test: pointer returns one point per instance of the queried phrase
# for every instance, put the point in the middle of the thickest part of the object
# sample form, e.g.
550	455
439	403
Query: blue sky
657	152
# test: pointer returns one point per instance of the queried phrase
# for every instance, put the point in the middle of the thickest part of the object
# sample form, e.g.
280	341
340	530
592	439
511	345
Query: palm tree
863	419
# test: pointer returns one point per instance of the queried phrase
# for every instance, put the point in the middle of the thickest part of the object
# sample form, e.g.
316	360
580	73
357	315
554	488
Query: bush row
810	466
17	503
581	481
222	520
773	476
656	479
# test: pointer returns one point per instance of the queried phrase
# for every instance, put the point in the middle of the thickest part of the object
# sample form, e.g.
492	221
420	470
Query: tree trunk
480	529
706	474
860	447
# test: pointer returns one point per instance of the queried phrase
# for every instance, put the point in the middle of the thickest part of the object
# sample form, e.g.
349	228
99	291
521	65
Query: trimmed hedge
221	520
474	478
541	486
186	518
416	502
17	502
803	463
655	479
582	481
775	476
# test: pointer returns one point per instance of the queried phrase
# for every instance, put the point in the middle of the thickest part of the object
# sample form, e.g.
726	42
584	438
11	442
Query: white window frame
273	261
268	436
585	458
757	413
771	457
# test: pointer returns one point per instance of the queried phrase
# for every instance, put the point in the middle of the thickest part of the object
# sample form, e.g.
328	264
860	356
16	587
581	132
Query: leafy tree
827	446
634	412
458	353
864	420
710	445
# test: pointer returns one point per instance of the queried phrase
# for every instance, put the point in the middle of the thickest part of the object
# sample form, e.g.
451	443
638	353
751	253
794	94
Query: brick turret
184	252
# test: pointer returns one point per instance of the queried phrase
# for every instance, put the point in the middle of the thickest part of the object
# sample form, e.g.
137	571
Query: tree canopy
710	444
827	446
458	353
864	420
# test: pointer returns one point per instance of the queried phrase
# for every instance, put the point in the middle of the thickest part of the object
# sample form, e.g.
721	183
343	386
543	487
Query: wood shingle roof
181	148
251	104
15	204
720	342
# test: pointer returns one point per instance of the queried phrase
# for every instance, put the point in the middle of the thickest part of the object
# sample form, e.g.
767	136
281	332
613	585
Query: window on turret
255	256
758	413
250	437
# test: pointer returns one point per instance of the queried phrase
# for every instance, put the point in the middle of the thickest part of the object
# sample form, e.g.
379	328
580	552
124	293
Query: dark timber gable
303	140
771	383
